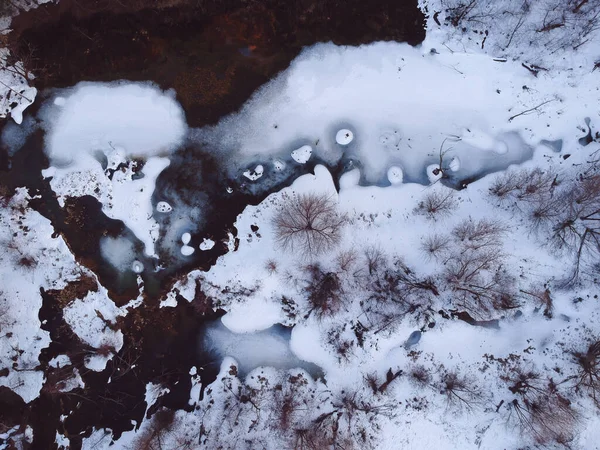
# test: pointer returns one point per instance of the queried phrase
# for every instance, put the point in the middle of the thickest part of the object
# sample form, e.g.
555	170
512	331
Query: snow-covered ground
403	257
111	142
31	259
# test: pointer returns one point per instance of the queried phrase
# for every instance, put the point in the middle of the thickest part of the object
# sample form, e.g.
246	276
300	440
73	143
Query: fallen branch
527	111
18	93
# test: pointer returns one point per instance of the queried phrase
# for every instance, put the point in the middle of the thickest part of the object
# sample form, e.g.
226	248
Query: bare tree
546	25
588	371
323	291
565	215
374	259
309	224
473	268
538	408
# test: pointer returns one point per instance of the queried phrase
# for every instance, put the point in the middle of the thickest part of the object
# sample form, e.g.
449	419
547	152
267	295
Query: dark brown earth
215	54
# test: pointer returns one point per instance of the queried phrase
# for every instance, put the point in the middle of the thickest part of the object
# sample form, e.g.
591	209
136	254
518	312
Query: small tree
309	224
473	266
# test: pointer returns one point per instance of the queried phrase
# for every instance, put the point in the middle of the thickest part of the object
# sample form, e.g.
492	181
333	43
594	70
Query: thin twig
527	111
18	93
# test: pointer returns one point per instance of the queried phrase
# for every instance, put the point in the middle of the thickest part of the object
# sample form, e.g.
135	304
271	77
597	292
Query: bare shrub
434	245
323	291
342	345
546	26
161	425
392	293
437	204
309	224
588	371
479	234
545	418
543	297
460	391
577	229
474	268
271	266
419	375
347	260
342	426
524	185
288	406
374	258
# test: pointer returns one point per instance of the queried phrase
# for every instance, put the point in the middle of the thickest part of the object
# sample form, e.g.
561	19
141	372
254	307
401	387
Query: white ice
141	119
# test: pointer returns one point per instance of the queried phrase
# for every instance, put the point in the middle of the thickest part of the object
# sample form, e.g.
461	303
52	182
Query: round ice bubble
187	250
137	266
394	175
163	207
344	136
186	238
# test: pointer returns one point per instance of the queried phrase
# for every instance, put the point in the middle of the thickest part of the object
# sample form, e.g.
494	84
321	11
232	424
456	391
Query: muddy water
214	54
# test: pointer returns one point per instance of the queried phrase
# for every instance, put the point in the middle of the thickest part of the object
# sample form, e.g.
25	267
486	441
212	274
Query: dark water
269	347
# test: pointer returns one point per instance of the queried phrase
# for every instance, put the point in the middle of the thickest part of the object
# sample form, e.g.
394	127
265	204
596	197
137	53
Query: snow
123	196
153	392
255	173
128	124
119	252
206	244
93	318
15	93
140	118
302	155
137	266
395	175
59	361
62	441
31	259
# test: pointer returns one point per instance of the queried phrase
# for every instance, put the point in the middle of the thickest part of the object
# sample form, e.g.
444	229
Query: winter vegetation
439	292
